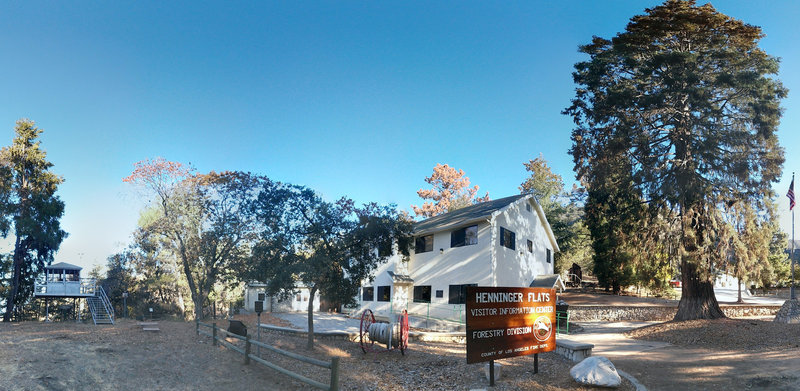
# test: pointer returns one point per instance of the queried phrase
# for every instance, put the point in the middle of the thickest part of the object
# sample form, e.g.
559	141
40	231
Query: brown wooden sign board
507	322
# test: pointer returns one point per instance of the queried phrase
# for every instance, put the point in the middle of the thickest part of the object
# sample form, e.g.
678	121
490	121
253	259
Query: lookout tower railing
83	287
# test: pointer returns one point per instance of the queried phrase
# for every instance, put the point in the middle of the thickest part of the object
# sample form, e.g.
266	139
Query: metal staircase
100	307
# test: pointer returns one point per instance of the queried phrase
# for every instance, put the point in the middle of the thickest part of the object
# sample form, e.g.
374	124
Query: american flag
790	194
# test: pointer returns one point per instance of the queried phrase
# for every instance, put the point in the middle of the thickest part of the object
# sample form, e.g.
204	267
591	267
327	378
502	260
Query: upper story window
508	238
464	237
72	275
528	207
549	256
530	246
423	244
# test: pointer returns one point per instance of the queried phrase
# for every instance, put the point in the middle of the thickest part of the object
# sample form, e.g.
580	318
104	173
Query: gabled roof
463	216
475	213
64	266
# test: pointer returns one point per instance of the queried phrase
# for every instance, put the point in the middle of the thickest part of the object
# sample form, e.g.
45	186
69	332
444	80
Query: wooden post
535	363
246	349
258	332
491	373
214	333
334	374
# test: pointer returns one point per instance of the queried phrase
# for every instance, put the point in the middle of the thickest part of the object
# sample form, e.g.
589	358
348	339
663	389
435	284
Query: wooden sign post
505	322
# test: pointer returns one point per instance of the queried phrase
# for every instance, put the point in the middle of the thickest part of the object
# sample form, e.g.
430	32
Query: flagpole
791	290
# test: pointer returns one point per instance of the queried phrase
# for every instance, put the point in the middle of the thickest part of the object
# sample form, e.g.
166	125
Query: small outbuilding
548	281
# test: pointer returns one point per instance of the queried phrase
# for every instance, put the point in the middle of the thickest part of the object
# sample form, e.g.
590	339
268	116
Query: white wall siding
486	263
445	266
519	267
381	277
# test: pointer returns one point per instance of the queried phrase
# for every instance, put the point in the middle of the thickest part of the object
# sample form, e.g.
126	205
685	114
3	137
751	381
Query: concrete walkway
609	339
322	321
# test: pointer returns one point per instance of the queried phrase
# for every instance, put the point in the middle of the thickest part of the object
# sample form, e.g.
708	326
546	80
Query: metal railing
333	365
106	303
446	312
87	286
562	322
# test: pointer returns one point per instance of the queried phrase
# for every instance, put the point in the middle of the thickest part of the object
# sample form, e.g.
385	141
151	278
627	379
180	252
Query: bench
148	326
575	351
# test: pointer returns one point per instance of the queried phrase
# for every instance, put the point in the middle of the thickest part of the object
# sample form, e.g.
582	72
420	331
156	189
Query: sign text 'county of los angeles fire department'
509	322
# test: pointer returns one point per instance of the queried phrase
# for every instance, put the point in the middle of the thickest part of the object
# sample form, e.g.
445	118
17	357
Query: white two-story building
504	242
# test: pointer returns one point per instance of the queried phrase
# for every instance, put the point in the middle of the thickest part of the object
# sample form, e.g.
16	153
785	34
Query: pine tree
31	208
688	105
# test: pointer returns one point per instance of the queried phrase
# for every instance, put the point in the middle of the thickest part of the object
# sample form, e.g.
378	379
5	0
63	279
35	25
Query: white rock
596	371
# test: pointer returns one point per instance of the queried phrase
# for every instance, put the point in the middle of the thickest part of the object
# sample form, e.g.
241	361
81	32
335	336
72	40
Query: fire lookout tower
63	280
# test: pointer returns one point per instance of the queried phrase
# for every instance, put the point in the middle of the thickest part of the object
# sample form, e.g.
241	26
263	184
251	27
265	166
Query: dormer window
464	237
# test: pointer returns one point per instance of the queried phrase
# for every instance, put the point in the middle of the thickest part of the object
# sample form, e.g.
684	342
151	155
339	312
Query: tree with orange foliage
206	220
451	190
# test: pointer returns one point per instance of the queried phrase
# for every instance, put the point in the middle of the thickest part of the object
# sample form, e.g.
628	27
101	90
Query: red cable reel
393	335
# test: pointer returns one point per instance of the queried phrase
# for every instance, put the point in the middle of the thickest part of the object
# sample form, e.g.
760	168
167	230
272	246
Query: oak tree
206	219
326	247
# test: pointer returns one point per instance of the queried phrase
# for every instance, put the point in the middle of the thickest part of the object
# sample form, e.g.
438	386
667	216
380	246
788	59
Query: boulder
596	371
237	327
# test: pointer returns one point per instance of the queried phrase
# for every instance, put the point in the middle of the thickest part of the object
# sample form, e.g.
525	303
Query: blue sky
350	98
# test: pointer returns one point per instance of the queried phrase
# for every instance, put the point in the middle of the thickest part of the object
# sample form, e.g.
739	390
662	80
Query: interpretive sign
508	322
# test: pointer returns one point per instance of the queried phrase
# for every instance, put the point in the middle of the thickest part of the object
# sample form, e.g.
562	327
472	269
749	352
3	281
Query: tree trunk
187	271
311	318
739	299
697	296
12	297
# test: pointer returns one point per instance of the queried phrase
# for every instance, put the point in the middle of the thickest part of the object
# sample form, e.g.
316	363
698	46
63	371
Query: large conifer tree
687	104
31	208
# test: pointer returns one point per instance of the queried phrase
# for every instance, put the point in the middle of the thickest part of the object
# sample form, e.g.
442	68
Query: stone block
497	370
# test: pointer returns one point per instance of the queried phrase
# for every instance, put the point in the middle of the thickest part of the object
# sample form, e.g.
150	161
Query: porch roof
401	279
548	281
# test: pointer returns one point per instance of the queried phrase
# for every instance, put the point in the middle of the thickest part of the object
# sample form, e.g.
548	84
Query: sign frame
504	322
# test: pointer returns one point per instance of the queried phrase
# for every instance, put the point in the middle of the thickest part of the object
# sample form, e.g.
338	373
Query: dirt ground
741	354
73	356
722	354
